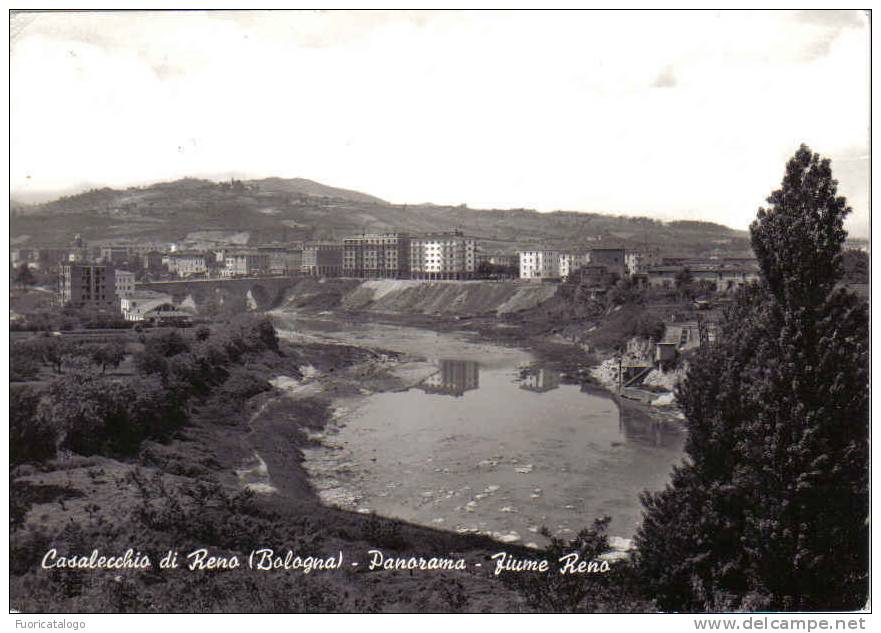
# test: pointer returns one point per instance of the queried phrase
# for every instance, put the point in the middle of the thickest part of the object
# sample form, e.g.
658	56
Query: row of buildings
435	256
104	288
645	267
446	255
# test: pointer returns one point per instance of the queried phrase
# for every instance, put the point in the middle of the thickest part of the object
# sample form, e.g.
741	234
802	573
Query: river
485	441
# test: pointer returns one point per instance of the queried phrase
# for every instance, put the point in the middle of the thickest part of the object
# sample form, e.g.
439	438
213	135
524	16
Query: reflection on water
511	452
453	378
539	380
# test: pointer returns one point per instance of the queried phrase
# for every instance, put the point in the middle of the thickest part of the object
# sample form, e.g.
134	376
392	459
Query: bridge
264	292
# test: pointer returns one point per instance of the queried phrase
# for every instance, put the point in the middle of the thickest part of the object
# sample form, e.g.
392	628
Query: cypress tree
770	508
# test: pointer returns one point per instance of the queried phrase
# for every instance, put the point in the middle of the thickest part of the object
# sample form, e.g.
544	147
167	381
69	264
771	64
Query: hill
283	210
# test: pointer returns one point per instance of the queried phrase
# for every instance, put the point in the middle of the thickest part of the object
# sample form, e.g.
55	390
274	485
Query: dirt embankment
398	296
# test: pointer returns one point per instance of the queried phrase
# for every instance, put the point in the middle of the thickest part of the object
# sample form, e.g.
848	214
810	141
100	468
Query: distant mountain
289	210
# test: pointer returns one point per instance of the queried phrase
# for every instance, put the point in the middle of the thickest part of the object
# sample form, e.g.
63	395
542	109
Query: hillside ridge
297	209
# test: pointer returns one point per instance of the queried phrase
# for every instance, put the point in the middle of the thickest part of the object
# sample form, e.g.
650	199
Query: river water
485	441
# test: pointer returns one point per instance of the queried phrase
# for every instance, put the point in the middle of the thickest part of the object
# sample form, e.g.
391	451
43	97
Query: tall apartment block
88	286
384	255
443	256
322	259
539	265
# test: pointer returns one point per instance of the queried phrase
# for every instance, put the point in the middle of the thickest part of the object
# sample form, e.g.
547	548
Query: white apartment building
245	264
187	264
570	262
125	283
539	265
636	262
443	256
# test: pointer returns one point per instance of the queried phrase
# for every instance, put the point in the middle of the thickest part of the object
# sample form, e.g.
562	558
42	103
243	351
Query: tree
151	362
684	281
50	350
109	354
95	414
856	266
770	510
30	437
167	344
23	364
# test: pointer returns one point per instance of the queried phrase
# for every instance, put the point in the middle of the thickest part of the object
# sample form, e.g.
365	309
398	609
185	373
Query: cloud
665	79
499	109
829	26
833	19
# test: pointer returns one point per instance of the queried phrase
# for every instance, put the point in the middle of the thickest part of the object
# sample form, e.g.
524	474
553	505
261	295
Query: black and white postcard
409	311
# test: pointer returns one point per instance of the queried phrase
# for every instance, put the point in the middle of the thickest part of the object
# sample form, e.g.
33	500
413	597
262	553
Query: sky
673	115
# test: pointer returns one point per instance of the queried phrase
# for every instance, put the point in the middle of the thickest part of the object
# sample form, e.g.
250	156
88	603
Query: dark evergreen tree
770	509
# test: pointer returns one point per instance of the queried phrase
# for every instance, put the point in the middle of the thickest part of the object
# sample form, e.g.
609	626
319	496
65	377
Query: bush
97	415
167	344
31	437
23	365
571	593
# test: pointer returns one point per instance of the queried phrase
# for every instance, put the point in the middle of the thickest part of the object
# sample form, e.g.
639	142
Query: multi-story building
497	259
611	258
113	254
21	255
720	276
377	255
125	283
323	259
187	264
276	259
570	262
443	256
152	261
663	276
539	265
636	262
50	257
77	255
245	264
732	278
88	286
293	261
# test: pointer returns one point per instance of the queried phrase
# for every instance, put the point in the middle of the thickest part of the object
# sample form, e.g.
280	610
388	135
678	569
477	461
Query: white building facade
570	262
125	283
245	264
443	256
539	265
187	264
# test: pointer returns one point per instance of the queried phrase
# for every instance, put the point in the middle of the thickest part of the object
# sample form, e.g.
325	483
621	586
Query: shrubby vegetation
590	592
87	411
31	437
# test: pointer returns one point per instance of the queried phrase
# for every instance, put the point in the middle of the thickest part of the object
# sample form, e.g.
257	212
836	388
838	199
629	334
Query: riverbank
407	367
233	488
237	486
